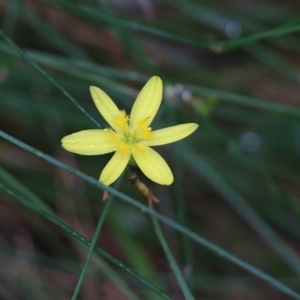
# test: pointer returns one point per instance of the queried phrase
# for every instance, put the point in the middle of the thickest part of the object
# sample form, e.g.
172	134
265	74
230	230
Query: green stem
180	209
181	215
174	266
44	74
93	243
78	237
192	235
13	11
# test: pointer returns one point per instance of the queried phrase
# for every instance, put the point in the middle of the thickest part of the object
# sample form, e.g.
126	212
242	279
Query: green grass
228	227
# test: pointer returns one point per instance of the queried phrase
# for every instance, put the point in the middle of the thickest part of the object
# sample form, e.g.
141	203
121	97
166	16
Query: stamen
143	122
121	121
123	148
146	133
112	134
142	132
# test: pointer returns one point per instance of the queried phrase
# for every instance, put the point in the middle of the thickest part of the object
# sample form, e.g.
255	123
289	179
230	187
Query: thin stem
13	11
180	209
75	235
181	216
192	235
93	242
44	74
174	266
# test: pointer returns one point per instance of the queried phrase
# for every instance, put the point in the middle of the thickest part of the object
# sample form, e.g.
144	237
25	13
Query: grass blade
194	236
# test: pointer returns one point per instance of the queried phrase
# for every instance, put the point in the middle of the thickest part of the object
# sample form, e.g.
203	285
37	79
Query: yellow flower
129	137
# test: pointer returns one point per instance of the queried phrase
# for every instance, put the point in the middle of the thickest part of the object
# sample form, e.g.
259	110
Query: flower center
126	137
130	140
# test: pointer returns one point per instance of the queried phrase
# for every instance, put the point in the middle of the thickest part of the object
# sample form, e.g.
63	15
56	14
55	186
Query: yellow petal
105	105
89	142
114	168
152	164
171	134
147	102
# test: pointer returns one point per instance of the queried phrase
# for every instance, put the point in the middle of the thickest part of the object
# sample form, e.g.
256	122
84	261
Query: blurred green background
233	67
